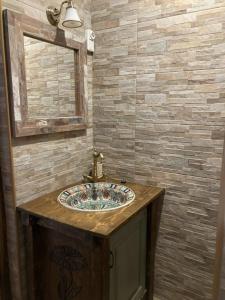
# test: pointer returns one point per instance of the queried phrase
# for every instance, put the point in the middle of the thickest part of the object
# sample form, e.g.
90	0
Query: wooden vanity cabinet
91	256
64	263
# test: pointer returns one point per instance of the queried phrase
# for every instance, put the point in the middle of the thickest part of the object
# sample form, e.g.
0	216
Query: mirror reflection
50	78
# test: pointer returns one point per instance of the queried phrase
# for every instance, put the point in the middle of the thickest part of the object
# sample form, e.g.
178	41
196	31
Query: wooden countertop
98	223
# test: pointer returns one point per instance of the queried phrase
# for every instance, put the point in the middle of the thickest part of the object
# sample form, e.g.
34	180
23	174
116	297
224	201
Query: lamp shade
72	19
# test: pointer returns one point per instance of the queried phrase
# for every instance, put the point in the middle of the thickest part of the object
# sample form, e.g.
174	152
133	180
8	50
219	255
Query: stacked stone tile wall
159	118
46	163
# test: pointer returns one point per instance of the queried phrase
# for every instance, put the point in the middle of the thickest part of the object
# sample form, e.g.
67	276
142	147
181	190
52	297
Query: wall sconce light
71	19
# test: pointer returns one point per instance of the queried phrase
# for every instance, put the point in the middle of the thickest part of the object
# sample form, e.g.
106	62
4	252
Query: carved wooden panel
66	267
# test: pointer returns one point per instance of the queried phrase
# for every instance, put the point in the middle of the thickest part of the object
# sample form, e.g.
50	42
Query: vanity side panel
153	225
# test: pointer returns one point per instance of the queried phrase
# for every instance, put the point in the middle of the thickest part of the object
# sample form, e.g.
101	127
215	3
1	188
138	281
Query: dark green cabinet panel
128	260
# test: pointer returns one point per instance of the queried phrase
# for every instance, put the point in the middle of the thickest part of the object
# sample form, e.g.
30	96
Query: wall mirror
46	77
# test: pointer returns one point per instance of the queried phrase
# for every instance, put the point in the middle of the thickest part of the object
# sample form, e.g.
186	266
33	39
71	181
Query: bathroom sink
95	197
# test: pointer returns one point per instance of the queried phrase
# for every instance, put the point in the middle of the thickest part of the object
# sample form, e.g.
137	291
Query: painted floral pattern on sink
96	197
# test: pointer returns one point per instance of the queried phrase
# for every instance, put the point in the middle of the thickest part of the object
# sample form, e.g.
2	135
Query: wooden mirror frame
16	27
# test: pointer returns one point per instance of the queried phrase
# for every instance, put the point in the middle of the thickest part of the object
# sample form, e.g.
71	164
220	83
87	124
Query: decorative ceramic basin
100	196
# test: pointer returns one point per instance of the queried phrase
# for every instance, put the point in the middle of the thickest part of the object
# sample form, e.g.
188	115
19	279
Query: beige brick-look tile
44	164
171	66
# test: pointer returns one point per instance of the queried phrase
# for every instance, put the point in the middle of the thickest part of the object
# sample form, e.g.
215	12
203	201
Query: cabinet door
128	260
66	266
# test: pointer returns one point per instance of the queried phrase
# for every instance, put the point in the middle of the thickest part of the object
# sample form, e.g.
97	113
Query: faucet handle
95	152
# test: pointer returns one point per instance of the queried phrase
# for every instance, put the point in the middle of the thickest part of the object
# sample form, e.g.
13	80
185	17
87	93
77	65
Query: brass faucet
97	156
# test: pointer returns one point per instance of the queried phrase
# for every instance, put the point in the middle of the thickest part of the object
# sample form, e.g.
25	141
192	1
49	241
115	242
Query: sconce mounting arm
53	13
